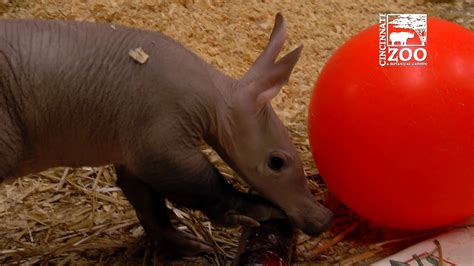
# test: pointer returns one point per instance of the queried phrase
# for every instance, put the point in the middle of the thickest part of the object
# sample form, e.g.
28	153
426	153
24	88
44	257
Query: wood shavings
139	55
318	250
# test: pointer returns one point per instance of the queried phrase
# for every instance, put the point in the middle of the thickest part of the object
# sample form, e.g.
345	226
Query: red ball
396	143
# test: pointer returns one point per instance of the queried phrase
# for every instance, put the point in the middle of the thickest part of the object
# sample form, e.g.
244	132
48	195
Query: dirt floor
77	216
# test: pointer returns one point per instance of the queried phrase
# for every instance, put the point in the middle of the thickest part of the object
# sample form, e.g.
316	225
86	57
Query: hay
139	55
78	216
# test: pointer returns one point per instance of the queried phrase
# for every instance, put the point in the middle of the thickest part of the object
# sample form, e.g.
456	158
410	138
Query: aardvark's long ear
266	77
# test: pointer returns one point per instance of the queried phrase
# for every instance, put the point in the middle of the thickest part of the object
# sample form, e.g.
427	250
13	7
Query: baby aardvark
71	96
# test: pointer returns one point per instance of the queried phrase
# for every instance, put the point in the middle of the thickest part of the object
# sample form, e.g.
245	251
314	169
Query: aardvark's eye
276	162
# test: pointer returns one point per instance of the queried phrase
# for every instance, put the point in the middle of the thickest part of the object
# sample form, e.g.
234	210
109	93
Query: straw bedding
78	216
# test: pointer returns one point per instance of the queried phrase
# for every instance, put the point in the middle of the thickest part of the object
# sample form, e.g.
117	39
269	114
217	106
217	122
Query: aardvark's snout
313	218
315	224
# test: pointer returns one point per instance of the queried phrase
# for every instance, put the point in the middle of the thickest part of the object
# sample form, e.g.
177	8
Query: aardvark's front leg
190	180
154	216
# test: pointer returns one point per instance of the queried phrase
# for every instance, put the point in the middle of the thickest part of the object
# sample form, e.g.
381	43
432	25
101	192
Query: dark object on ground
269	244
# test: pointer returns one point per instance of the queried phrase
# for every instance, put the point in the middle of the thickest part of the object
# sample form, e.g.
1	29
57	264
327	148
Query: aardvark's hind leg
11	146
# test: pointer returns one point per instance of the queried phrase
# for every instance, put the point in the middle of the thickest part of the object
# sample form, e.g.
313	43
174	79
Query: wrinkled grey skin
71	96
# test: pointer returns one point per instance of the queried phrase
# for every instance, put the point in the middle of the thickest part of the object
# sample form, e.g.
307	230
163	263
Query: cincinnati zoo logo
402	39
